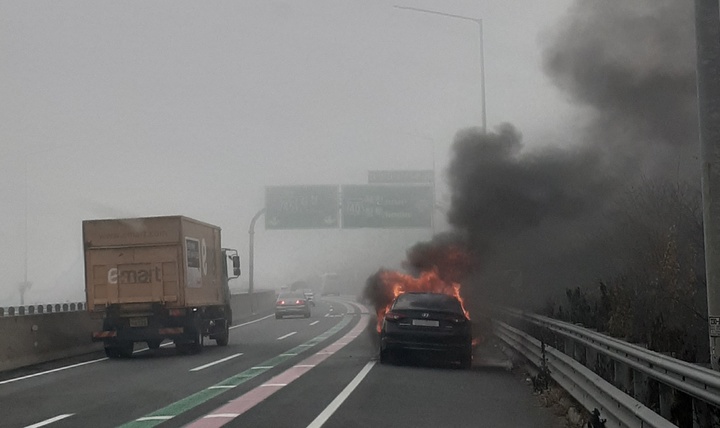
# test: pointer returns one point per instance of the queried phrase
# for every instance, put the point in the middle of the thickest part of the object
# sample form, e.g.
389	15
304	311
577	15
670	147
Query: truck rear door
134	275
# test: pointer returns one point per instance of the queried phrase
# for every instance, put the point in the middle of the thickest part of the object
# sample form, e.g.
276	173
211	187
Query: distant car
292	304
428	322
309	296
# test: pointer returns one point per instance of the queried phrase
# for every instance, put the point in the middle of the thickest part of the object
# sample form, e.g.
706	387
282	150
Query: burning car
426	321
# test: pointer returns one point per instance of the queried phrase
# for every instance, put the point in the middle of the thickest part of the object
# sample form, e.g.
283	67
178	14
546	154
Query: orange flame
429	281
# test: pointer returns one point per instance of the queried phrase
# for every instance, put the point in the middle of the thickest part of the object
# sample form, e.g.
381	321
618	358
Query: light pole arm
479	23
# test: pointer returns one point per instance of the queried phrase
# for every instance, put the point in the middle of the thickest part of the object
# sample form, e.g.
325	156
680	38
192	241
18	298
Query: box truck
157	278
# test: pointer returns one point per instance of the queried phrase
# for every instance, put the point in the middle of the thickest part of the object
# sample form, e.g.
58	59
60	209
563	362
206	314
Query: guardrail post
666	400
57	307
31	310
579	353
640	387
11	310
569	347
591	361
65	307
701	414
41	309
2	312
21	310
622	377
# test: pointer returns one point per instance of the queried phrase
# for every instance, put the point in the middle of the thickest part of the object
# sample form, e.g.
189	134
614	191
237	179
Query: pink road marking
252	398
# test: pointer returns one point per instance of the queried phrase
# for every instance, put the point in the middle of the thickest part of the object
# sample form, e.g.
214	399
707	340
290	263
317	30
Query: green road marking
200	397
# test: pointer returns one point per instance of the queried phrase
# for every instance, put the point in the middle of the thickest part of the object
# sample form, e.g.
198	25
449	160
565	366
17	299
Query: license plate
426	323
139	322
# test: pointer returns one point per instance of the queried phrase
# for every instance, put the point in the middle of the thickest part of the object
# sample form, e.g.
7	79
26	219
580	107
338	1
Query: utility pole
707	28
251	257
479	23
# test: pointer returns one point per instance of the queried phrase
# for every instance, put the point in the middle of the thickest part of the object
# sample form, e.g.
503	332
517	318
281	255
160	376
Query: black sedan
292	304
428	322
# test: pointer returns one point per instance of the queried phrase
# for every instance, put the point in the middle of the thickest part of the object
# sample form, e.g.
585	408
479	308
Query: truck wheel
196	345
154	344
122	350
112	352
223	338
126	349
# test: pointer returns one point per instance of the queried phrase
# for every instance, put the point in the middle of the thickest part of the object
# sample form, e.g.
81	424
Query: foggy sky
160	108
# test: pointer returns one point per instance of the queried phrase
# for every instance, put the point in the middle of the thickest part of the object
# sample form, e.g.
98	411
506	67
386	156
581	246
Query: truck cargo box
175	261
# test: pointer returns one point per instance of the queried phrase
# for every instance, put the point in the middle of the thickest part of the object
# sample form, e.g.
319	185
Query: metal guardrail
589	389
628	370
41	309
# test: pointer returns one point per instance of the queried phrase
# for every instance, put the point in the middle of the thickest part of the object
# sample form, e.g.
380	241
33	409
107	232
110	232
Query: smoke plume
542	217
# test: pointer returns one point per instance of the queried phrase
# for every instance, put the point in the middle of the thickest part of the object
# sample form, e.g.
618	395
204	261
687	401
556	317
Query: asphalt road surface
294	372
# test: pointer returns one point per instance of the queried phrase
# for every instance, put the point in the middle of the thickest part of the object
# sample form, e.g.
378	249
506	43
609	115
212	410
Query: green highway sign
301	207
387	206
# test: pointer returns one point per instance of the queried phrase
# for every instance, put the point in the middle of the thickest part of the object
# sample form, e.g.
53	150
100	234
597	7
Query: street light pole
479	23
707	28
251	257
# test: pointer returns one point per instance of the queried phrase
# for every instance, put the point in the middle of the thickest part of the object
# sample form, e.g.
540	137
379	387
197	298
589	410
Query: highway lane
288	392
419	394
112	392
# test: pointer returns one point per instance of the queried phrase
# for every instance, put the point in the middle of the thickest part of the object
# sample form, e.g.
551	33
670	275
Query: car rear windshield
291	296
428	301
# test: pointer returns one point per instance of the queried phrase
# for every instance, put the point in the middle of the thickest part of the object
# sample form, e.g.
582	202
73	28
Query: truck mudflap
138	335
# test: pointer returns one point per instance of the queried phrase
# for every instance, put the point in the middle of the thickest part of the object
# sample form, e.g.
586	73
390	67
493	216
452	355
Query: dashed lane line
50	421
174	409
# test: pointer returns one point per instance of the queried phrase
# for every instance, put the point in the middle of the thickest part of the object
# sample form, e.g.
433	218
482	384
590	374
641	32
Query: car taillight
456	319
282	302
299	302
393	316
177	312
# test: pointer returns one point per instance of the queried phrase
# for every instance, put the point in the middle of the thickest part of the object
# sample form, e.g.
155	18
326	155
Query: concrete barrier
262	301
32	339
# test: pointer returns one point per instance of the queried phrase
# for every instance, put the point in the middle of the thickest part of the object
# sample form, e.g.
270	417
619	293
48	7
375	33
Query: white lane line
52	371
222	360
344	394
250	322
222	415
287	335
274	384
314	322
262	367
222	387
49	421
153	418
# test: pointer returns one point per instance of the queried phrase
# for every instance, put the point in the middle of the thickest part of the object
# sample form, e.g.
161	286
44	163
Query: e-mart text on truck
158	278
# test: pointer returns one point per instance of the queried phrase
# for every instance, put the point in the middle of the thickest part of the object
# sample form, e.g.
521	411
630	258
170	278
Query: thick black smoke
541	217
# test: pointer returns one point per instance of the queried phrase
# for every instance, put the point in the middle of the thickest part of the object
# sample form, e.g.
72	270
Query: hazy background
136	108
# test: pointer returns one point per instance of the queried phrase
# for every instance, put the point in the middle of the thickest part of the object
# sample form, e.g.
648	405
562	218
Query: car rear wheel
278	316
154	344
385	356
307	315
